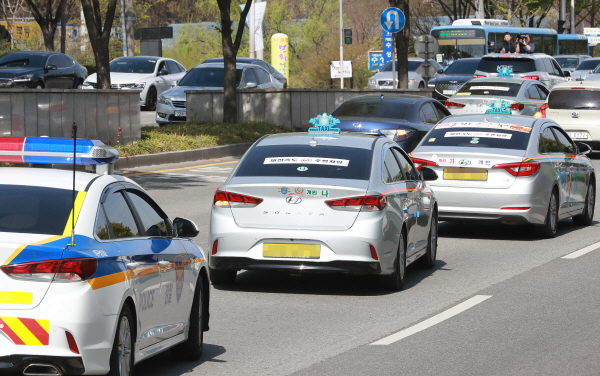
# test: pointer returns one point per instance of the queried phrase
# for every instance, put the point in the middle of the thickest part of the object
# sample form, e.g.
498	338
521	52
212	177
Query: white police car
132	285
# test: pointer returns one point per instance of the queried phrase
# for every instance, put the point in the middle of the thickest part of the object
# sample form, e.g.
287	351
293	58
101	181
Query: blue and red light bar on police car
44	150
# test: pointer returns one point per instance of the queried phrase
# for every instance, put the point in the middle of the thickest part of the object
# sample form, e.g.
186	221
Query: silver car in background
524	96
171	107
540	67
352	203
383	78
513	169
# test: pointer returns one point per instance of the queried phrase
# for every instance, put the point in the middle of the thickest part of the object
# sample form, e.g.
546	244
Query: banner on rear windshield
498	88
305	160
508	127
505	136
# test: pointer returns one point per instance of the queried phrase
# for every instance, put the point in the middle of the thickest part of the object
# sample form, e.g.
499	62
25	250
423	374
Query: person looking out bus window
507	46
524	45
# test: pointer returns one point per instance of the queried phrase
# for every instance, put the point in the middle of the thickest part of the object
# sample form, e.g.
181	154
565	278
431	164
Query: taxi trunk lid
295	206
22	293
463	169
575	109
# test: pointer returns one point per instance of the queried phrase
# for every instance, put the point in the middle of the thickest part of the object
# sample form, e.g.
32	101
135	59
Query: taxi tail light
532	77
520	169
422	163
453	104
478	76
373	253
215	246
72	343
371	203
517	106
230	199
63	270
543	109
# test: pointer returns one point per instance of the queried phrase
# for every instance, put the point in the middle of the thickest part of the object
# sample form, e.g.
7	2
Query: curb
212	152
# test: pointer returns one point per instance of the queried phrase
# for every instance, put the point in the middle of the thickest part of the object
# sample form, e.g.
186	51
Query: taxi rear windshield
574	99
495	89
330	162
490	135
493	65
34	210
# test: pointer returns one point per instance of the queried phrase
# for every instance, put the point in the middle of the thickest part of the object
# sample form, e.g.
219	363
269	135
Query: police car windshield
34	210
129	65
492	89
479	135
333	162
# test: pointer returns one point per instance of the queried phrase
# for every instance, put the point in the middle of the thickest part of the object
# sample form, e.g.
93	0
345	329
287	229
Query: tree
100	36
402	42
10	9
230	50
70	8
47	14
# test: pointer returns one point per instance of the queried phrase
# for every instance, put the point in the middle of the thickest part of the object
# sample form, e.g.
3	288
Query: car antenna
74	135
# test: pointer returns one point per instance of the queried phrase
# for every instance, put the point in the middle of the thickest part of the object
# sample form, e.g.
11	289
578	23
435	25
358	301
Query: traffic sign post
426	47
392	21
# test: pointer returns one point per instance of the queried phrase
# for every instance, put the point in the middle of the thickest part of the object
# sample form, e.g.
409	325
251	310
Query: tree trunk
402	41
48	39
102	58
63	33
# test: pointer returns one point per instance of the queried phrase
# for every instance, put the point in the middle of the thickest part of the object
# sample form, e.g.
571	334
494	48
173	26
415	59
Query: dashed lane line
179	169
582	251
433	320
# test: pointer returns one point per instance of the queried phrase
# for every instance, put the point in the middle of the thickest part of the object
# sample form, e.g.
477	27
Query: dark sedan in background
261	63
403	118
39	70
447	83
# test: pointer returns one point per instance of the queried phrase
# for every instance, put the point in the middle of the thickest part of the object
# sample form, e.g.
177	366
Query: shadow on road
498	231
164	365
275	282
171	181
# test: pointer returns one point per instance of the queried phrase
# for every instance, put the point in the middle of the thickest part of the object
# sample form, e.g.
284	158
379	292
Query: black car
246	60
450	80
33	69
400	117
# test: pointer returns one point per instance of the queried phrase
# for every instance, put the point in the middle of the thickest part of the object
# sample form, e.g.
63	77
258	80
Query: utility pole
252	28
123	28
341	46
129	25
259	53
572	16
480	12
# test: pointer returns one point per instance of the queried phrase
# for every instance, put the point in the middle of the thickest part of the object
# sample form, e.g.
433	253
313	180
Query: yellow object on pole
280	55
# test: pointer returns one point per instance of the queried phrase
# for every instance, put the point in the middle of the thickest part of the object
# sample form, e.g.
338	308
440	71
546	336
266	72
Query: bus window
537	42
549	45
471	47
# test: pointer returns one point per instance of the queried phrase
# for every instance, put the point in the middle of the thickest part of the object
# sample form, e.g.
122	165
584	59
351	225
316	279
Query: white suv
576	107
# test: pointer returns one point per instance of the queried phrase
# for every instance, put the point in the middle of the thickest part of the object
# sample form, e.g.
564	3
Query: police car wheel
222	277
121	357
191	349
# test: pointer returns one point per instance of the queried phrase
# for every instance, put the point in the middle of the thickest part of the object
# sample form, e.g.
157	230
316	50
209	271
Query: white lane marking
433	321
582	251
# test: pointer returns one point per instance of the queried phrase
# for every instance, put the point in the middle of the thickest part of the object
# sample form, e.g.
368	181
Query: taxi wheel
427	261
550	228
191	349
121	358
395	281
222	277
151	98
585	219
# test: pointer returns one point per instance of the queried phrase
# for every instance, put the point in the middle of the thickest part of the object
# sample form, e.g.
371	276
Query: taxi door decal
24	331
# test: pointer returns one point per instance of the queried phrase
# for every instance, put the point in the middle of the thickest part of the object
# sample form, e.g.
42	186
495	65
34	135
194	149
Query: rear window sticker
476	135
498	88
302	168
508	127
431	139
306	160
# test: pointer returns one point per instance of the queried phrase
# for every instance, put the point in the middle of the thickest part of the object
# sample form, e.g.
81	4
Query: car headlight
24	78
397	134
164	100
371	81
87	83
431	85
138	86
412	81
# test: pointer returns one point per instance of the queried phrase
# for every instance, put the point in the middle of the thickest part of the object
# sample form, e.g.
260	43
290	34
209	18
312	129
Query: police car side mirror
428	174
185	228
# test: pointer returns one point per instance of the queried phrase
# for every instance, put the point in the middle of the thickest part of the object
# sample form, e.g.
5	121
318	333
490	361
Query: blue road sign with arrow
392	20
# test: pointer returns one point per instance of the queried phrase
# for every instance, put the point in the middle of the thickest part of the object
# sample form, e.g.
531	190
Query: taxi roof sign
45	150
505	71
323	125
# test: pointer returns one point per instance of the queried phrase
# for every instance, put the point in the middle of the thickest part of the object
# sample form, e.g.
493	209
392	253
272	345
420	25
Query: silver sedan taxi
347	202
514	169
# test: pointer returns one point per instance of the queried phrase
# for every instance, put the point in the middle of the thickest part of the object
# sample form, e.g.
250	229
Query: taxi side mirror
428	174
185	228
584	148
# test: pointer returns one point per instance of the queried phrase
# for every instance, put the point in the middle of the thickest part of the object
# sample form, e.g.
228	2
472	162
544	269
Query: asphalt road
498	302
148	117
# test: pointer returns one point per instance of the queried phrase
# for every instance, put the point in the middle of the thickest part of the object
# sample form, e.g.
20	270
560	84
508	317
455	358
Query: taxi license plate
180	113
578	135
449	92
292	250
465	174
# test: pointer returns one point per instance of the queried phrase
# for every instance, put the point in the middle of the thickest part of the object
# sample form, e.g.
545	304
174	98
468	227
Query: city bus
573	44
478	37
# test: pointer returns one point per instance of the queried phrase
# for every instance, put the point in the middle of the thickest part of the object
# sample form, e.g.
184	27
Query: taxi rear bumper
18	364
349	267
